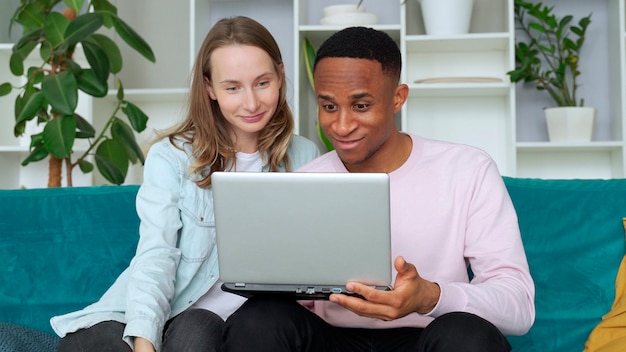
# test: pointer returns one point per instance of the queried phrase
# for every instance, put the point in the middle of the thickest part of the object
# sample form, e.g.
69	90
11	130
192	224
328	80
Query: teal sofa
61	248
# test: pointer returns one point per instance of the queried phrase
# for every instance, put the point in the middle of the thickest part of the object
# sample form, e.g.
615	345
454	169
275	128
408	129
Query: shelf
460	43
569	147
425	90
13	149
149	95
318	33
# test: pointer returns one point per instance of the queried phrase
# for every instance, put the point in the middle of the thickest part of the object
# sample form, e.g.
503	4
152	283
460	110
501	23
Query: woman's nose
251	102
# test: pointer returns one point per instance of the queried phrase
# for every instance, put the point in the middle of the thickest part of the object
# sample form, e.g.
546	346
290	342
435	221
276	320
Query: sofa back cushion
61	248
574	240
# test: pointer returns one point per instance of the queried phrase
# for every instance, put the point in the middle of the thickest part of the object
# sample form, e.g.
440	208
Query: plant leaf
61	92
5	89
112	161
55	27
36	139
58	136
123	133
104	6
111	50
20	102
138	119
84	129
85	166
29	41
39	153
32	15
106	9
309	59
33	104
133	39
97	59
120	90
16	64
75	5
90	84
82	27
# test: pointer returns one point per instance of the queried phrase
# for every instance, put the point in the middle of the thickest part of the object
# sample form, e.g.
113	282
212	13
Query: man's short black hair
363	43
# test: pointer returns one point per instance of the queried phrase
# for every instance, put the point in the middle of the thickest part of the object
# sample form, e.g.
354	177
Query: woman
169	299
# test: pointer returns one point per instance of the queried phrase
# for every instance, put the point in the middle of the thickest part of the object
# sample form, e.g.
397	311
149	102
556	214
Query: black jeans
194	330
271	325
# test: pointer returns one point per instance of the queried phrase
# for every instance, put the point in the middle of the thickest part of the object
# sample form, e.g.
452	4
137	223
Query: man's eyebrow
353	96
359	96
324	97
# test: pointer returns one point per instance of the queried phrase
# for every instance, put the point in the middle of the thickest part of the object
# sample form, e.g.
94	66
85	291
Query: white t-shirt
220	302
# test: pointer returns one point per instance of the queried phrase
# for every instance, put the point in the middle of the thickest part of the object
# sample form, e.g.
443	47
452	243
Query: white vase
446	17
570	124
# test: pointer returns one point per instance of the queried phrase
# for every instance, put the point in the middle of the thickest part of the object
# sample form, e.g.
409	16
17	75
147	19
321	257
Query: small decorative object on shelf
53	33
549	58
446	17
348	15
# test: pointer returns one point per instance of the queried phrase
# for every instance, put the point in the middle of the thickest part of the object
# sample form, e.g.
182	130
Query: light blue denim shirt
176	259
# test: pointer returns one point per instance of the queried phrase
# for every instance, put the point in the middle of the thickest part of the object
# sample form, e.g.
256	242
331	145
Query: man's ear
399	97
209	88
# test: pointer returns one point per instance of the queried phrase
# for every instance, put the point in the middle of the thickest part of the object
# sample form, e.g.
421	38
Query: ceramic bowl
343	8
350	19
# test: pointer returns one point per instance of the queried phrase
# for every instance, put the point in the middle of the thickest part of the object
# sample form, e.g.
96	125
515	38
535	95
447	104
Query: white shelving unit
475	113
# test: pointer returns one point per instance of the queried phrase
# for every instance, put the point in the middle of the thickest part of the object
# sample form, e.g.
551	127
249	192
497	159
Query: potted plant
52	33
549	57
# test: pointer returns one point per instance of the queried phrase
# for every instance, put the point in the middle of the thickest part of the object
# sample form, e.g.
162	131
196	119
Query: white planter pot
446	17
570	124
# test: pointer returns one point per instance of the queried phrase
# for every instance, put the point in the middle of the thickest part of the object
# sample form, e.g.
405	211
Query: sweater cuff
451	299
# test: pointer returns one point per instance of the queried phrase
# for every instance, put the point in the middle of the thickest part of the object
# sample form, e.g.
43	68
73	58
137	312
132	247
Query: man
450	209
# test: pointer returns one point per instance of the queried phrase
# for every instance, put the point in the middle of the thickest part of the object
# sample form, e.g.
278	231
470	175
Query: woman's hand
143	345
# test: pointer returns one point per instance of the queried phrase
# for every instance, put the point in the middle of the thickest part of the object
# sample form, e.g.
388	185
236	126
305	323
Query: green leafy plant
309	61
550	57
57	29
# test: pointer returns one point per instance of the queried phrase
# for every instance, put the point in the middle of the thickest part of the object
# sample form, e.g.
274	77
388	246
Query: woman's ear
209	89
281	73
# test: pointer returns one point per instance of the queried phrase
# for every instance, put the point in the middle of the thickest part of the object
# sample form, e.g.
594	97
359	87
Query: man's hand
411	294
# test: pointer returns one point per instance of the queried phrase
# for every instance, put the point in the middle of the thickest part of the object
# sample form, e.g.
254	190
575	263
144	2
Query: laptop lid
301	234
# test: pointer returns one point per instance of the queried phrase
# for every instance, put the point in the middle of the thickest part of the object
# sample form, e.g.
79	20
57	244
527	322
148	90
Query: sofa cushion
15	338
610	334
61	248
574	239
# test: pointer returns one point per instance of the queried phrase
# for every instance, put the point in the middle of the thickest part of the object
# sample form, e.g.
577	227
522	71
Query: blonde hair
206	128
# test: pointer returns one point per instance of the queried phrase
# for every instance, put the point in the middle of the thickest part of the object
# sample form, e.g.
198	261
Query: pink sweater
450	208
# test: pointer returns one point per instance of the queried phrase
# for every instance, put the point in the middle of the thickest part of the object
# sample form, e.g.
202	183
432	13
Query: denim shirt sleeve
301	151
149	294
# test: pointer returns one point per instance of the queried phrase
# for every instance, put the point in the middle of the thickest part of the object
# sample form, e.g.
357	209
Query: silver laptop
301	234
